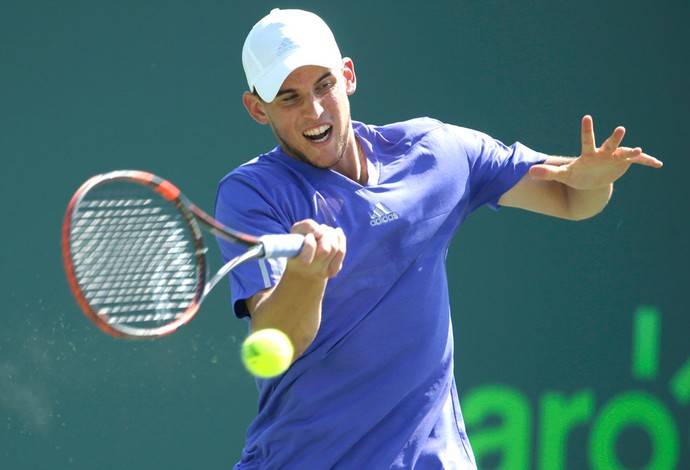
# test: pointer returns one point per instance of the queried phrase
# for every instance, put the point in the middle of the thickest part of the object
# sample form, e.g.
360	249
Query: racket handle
279	246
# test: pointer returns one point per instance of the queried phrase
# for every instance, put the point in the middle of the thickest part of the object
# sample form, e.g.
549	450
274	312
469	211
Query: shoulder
260	181
410	130
251	169
412	127
269	170
422	129
272	184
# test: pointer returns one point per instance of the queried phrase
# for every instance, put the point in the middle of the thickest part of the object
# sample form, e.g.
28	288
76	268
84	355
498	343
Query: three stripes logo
382	215
286	46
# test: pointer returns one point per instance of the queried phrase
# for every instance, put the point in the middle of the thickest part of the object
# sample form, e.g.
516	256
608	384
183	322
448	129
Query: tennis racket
135	256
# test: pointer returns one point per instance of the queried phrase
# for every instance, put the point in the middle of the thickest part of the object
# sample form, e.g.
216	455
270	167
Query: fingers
637	156
588	142
324	248
546	172
329	251
340	246
304	227
647	160
628	154
589	146
611	144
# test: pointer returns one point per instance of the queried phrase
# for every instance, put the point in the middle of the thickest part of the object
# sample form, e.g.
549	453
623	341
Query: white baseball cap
283	41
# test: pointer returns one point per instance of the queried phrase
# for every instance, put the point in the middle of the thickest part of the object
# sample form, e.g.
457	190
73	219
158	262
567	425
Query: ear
350	76
255	107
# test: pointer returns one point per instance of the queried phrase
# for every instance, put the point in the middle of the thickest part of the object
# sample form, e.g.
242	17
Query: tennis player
372	386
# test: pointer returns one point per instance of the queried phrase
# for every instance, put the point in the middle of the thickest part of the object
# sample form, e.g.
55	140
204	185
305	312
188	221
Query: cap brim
268	86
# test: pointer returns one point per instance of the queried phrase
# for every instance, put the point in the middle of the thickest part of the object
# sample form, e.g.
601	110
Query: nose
312	106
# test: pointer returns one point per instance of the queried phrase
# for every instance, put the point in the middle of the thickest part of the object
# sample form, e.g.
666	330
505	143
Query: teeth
317	130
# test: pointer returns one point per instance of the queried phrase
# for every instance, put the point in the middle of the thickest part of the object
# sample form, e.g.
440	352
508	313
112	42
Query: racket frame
258	247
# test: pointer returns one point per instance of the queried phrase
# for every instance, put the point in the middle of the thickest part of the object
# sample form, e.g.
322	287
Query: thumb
545	172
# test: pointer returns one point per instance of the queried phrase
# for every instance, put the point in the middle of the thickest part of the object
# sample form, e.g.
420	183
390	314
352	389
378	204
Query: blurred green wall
572	338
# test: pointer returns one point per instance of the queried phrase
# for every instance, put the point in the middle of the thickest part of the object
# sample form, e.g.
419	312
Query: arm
294	304
577	188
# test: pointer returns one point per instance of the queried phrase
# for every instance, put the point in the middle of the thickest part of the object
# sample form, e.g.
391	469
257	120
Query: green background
539	304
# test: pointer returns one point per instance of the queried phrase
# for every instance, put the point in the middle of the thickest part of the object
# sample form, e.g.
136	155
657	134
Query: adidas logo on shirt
382	215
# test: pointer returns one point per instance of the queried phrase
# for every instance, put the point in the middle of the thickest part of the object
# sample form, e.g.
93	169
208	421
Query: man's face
310	115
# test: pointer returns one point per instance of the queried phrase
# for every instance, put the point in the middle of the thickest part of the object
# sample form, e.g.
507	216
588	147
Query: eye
325	86
289	99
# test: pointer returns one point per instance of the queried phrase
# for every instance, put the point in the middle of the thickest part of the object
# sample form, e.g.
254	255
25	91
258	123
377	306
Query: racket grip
279	246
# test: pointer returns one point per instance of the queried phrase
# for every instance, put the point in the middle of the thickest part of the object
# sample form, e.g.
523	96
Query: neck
361	158
354	163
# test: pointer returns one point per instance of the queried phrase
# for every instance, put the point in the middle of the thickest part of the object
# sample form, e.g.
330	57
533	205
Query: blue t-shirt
376	388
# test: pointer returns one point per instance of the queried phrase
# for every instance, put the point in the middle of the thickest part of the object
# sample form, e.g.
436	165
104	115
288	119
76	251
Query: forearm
585	203
293	306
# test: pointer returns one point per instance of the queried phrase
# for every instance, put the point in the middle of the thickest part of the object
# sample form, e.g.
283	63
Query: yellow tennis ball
267	353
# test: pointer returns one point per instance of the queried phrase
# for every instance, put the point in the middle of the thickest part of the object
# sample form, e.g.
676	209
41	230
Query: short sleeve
241	205
494	168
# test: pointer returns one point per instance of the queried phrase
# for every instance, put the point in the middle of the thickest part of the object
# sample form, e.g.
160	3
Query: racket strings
134	256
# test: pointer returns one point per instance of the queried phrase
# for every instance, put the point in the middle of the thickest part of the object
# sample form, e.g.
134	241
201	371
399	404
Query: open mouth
318	134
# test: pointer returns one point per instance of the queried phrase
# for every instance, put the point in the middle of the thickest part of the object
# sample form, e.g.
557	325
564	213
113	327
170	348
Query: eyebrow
285	91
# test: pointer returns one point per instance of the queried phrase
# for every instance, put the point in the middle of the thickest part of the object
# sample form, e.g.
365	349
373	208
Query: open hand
596	167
